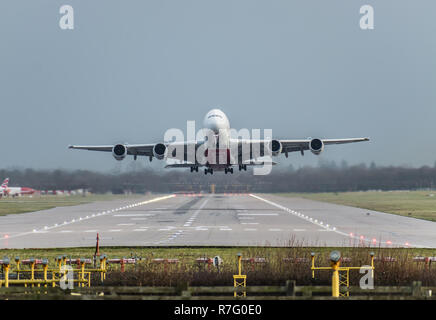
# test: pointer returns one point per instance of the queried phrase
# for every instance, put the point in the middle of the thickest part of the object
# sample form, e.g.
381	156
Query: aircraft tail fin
5	183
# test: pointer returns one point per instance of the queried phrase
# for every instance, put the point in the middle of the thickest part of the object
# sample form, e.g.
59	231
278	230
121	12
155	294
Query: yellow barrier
337	278
57	274
240	280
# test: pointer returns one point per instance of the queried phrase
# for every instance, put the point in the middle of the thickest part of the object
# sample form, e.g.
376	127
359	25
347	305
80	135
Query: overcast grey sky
131	69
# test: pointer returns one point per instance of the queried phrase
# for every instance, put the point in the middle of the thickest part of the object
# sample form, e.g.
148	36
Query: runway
213	220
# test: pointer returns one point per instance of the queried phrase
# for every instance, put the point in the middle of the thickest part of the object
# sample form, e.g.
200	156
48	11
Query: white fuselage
16	191
217	121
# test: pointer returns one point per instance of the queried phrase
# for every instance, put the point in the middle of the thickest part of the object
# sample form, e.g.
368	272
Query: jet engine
316	146
275	146
160	151
119	151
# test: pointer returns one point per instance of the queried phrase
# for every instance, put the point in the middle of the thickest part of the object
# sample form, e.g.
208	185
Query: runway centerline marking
186	224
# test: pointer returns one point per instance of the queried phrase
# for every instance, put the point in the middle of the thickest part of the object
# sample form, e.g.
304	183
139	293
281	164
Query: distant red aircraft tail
5	183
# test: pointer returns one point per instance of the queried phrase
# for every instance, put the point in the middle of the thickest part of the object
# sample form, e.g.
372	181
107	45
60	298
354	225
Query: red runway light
351	234
374	240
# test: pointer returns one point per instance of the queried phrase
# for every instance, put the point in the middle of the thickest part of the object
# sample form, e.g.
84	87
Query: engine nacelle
275	146
316	146
119	151
160	151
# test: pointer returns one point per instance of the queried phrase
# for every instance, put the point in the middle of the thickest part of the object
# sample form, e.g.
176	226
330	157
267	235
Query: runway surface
213	220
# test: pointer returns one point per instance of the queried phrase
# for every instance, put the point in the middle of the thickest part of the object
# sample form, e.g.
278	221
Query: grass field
189	254
43	202
416	204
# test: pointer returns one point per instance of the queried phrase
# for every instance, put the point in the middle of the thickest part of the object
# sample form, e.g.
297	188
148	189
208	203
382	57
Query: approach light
335	256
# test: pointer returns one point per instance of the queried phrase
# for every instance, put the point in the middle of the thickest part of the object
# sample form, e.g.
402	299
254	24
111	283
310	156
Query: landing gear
228	170
194	169
206	170
243	167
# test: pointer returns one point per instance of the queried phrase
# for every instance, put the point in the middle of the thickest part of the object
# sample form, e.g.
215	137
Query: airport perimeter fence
289	291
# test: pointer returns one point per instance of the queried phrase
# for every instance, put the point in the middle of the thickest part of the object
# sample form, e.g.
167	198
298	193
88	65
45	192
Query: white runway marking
139	229
225	229
326	227
138	219
134	215
114	230
90	230
65	231
258	214
249	222
57	225
125	224
188	223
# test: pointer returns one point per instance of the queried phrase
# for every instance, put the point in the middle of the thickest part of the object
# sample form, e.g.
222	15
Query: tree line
305	179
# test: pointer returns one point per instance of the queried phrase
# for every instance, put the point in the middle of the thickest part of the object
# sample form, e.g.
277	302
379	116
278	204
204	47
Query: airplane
218	146
5	190
3	187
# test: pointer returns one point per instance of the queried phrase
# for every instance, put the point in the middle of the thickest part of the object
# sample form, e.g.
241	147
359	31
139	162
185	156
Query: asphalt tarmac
213	220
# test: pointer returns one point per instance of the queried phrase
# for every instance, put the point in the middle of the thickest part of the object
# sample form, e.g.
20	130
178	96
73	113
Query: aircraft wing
147	149
132	149
248	163
258	163
182	165
302	145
